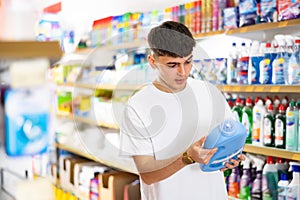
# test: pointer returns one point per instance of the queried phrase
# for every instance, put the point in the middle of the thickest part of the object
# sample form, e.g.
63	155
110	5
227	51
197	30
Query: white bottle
259	111
293	190
270	180
282	186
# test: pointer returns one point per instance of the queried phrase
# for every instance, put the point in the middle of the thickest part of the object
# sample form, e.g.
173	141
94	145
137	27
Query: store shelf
275	152
265	27
88	121
262	32
103	86
30	49
84	154
129	45
260	88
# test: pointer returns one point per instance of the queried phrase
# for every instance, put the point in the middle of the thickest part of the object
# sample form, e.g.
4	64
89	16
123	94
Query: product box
111	184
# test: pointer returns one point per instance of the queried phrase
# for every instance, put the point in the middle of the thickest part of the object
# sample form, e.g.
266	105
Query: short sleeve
134	138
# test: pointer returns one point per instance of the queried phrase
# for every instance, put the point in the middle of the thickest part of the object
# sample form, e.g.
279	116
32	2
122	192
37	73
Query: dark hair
171	39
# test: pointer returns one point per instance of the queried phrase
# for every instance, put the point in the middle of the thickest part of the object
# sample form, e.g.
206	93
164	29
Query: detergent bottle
245	184
270	180
292	117
247	119
234	183
269	119
280	127
259	111
229	137
256	191
237	109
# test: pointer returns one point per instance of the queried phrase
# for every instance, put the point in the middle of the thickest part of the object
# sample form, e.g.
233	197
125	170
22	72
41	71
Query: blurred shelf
30	49
88	121
103	86
261	32
265	27
128	45
270	151
85	154
260	88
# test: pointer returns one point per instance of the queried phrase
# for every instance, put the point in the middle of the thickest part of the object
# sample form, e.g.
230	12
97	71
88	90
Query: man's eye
188	62
172	66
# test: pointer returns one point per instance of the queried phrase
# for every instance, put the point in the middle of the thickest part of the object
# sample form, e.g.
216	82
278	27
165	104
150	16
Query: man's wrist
186	159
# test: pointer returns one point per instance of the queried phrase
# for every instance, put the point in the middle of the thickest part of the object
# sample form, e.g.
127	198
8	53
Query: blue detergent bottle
229	137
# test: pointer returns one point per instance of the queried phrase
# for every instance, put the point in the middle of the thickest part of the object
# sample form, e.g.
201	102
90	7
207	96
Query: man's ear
151	61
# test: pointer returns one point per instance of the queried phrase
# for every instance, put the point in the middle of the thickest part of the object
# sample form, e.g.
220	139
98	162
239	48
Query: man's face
172	72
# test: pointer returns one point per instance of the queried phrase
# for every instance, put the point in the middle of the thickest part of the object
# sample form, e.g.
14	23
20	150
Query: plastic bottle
256	191
294	65
234	183
282	166
270	180
232	65
289	49
245	184
293	190
292	115
269	119
242	65
259	111
280	128
279	62
282	186
238	109
265	66
256	56
247	119
298	108
229	137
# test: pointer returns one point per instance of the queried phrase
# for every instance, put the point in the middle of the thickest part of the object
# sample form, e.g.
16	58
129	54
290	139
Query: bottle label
242	67
265	71
278	73
279	132
290	130
267	131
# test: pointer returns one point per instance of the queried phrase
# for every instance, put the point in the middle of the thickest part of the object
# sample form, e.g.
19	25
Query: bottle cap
270	160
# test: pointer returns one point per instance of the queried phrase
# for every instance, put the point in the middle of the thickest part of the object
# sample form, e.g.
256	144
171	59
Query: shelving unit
265	30
260	88
88	121
275	152
30	49
87	155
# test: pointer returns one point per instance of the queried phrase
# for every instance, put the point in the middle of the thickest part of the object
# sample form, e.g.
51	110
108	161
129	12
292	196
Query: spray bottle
245	184
234	183
256	191
293	190
270	180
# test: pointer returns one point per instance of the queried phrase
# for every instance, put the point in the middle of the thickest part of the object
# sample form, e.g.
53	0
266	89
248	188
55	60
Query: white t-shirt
164	125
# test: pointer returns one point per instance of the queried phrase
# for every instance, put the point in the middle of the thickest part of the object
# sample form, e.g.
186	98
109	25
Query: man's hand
199	154
233	163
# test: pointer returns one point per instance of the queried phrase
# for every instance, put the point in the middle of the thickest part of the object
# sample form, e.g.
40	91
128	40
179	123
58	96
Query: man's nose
181	70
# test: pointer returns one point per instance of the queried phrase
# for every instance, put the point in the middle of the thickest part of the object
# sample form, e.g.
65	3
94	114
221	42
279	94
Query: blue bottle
229	137
265	66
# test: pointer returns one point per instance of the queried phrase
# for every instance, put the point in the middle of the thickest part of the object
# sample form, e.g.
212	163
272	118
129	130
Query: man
165	124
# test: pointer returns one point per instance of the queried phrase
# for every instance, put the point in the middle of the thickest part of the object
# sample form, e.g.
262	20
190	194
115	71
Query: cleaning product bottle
247	119
280	128
232	64
269	120
259	111
293	190
234	183
256	57
270	180
229	137
279	62
265	66
242	65
238	109
298	108
292	118
282	166
294	65
245	184
282	186
256	191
